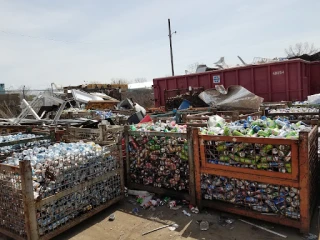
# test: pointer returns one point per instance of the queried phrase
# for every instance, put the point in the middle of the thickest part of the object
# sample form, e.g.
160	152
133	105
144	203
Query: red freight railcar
279	81
315	78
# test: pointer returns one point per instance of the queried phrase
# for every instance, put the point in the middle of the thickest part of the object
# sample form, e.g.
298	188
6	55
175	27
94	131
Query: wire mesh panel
271	157
294	114
11	201
53	177
160	161
61	211
256	196
268	157
18	147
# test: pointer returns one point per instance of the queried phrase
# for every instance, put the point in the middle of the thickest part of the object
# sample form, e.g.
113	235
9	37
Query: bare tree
140	80
119	81
301	48
192	68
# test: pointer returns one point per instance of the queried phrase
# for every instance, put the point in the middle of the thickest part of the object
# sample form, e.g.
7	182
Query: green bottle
221	148
237	133
226	131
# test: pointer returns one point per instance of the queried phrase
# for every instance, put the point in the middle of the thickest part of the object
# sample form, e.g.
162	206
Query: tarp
232	98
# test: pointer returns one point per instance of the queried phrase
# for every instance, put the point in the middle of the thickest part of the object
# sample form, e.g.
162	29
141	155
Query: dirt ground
128	225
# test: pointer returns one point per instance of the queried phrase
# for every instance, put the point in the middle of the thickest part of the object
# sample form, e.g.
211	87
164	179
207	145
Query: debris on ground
263	228
172	227
310	236
204	225
112	217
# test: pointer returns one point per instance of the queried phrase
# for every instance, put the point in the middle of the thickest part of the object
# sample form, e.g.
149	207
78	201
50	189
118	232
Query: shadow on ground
128	225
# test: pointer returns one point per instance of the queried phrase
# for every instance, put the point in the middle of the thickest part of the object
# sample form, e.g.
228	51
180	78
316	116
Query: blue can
251	199
279	201
256	129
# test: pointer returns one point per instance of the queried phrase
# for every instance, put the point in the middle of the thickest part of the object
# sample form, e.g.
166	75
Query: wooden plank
197	173
160	134
9	168
11	234
251	171
251	177
273	141
28	200
295	161
304	181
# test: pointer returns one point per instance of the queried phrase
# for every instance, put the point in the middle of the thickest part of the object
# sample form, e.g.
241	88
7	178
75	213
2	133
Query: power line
42	38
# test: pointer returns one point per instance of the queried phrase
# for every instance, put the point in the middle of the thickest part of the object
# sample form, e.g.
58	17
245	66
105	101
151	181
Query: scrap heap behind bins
112	90
289	80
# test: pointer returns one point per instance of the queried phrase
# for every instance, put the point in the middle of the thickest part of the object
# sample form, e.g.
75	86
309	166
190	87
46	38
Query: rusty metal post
196	160
119	146
127	169
192	190
28	200
235	116
304	181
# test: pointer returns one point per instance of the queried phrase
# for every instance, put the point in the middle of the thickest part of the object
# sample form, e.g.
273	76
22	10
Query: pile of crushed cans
249	155
57	213
261	197
159	161
296	110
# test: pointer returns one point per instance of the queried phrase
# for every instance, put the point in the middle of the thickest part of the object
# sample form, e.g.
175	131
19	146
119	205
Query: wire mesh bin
34	209
18	142
295	114
161	162
201	119
253	176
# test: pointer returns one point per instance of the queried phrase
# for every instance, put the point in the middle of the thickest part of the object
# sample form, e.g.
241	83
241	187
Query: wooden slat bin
240	174
200	119
103	134
62	206
160	162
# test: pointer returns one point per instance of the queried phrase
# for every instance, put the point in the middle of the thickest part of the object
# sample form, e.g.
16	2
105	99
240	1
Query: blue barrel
184	105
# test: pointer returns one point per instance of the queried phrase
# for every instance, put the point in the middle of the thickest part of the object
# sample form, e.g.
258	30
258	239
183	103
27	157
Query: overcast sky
72	41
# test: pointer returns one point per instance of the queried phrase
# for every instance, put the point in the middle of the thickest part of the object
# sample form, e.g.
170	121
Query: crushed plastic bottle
264	127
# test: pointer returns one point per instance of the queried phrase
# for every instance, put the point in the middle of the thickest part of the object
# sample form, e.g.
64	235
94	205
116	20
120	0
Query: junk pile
139	111
232	98
148	200
191	97
310	58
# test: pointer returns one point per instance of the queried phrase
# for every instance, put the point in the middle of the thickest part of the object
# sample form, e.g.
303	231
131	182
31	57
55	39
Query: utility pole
170	36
